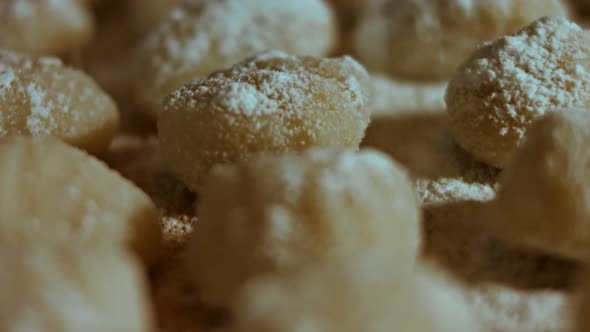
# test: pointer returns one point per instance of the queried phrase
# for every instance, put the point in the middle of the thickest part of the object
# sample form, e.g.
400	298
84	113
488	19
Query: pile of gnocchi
297	165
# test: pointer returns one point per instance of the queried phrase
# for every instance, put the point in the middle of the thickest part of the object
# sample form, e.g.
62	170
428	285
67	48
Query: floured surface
273	102
507	84
430	39
138	159
502	309
200	37
42	97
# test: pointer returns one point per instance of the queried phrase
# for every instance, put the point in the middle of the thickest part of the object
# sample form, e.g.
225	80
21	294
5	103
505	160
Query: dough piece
394	97
428	39
422	142
273	102
544	191
359	294
503	309
51	192
42	97
449	190
456	236
200	37
45	27
48	289
507	84
279	214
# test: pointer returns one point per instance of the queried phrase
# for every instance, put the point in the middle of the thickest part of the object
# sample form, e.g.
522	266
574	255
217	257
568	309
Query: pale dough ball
45	26
507	84
46	289
200	37
276	215
428	39
358	294
273	102
544	191
42	97
51	192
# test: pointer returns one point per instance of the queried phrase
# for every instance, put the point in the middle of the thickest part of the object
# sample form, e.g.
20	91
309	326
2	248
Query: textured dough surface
279	214
545	191
200	37
48	289
42	97
359	294
507	84
273	103
51	192
45	26
428	39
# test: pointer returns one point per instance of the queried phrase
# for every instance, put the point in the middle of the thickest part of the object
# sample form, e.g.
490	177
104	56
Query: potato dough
44	27
428	39
273	102
51	192
358	294
544	191
276	215
49	289
200	37
42	97
507	84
